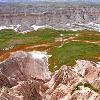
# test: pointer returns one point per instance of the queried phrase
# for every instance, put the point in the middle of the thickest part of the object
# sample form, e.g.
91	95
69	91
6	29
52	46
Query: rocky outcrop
90	71
4	81
75	84
29	90
62	83
84	93
25	90
23	18
21	66
25	76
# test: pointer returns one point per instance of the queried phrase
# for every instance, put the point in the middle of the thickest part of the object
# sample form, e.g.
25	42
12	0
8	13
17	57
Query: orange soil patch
5	54
94	42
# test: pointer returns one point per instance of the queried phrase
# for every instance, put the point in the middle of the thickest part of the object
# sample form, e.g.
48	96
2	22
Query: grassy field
73	51
89	35
67	54
10	38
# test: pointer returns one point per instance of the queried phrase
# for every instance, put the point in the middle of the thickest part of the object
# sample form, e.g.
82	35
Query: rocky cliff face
67	84
22	66
25	76
61	18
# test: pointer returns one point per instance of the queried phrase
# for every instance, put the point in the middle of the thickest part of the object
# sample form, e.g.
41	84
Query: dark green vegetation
81	46
10	38
89	35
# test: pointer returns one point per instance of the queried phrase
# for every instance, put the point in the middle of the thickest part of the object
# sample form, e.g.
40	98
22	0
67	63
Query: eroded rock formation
25	76
90	71
28	17
21	66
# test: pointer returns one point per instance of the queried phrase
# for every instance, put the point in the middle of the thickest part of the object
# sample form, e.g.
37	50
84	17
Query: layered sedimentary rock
23	18
90	71
72	84
25	90
62	83
21	66
25	76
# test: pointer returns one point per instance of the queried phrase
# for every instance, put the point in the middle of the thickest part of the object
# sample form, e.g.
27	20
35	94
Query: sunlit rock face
84	93
65	85
21	66
25	76
90	71
62	84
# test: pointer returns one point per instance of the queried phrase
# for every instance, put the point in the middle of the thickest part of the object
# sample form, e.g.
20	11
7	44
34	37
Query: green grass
73	51
89	35
9	37
65	55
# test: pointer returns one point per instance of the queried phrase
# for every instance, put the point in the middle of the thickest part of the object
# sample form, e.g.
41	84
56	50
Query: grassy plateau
64	46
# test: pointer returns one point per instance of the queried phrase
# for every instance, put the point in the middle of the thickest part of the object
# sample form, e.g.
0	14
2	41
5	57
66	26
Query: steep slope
23	18
64	84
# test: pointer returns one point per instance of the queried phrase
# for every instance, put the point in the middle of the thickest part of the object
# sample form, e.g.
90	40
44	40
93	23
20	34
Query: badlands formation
24	18
25	76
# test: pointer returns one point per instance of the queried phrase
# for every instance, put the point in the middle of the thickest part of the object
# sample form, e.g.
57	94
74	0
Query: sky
46	0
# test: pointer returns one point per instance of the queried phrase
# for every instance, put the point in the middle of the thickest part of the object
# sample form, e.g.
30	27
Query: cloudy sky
46	0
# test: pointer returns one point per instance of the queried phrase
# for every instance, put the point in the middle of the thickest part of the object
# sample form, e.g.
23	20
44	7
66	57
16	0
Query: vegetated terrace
64	46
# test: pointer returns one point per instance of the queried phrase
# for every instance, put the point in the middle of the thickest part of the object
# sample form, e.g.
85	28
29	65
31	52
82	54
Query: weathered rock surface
29	90
22	17
69	84
84	93
25	76
21	66
90	71
64	79
4	81
25	90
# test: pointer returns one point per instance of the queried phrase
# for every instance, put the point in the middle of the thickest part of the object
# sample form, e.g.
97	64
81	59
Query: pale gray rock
54	17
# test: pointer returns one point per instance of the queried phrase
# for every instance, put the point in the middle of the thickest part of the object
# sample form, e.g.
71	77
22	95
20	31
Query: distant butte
24	18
